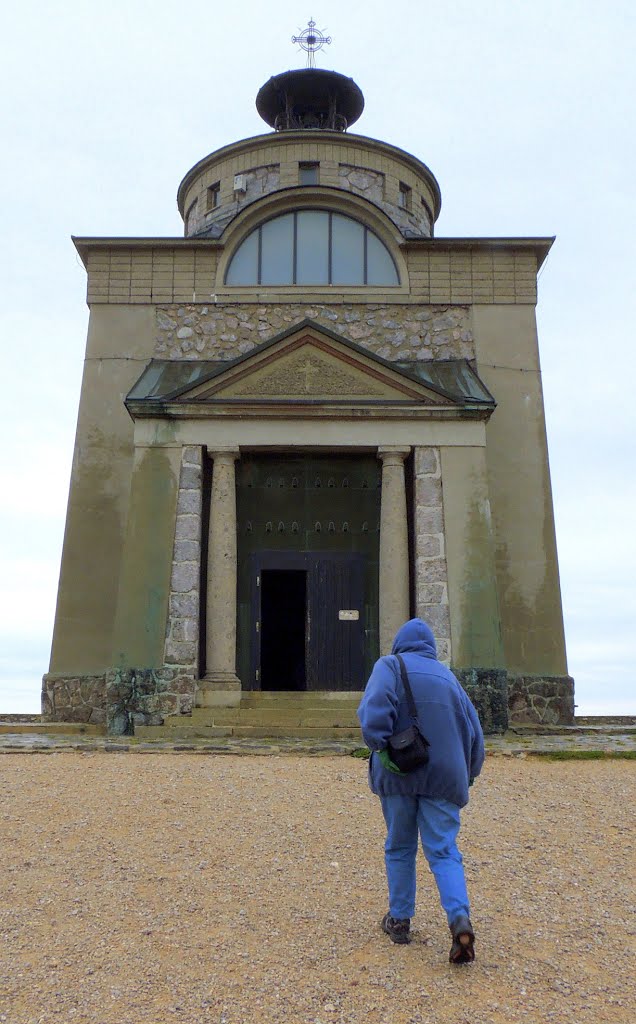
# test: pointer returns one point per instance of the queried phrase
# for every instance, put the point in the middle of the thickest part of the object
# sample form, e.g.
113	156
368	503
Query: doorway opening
283	618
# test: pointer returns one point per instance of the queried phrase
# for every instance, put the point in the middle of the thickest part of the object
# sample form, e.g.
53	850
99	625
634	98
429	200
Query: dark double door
308	543
309	616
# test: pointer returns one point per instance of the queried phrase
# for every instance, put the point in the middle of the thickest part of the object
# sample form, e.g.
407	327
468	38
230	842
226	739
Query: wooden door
330	627
336	619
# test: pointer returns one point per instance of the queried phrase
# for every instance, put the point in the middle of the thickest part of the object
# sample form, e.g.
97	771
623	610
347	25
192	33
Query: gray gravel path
149	890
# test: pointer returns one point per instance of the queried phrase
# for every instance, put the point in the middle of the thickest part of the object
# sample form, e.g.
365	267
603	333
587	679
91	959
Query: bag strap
407	688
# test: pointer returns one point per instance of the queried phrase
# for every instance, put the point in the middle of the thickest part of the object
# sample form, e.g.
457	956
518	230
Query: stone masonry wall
541	700
74	699
431	576
182	629
259	181
225	331
413	223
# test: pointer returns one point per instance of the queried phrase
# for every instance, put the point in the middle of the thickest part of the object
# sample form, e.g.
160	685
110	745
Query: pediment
310	366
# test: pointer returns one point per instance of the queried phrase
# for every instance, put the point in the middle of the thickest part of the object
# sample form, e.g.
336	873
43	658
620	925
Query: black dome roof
310	98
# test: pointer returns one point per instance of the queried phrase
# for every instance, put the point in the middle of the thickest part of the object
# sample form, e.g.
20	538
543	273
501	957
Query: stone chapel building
300	424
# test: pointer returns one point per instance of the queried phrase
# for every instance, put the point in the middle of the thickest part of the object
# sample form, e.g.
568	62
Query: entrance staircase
263	714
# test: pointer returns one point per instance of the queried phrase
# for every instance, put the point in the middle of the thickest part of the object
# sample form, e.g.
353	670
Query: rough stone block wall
488	691
145	696
431	575
74	699
259	181
182	628
227	330
363	181
541	700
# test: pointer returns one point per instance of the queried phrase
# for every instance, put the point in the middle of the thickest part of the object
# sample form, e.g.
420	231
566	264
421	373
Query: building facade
300	424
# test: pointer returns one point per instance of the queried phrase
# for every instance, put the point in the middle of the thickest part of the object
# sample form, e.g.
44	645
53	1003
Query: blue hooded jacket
445	716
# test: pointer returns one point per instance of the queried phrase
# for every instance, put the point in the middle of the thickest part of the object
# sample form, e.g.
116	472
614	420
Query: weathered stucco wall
142	600
520	491
468	535
120	343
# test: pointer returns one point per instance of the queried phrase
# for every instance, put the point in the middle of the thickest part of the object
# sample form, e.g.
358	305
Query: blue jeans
437	822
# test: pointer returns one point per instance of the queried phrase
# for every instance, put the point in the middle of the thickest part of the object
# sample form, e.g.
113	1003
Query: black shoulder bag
408	749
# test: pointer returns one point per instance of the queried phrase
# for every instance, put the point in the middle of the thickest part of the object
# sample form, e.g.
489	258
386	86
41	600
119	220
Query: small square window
308	174
404	196
214	195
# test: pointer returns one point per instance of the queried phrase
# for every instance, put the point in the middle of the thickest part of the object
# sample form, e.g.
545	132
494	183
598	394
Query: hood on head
415	636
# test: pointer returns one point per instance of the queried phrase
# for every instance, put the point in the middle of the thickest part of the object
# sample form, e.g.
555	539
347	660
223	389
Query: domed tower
307	418
310	111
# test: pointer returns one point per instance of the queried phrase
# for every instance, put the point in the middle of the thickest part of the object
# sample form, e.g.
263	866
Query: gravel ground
147	890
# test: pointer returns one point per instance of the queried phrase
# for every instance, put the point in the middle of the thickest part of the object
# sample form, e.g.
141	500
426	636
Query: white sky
523	111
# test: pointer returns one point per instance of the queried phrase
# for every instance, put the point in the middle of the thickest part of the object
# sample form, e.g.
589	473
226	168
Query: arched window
312	247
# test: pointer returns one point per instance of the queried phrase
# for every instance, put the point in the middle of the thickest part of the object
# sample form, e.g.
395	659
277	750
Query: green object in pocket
388	763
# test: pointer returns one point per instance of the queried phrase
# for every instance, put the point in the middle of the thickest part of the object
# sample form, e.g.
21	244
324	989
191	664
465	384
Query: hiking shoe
463	948
397	929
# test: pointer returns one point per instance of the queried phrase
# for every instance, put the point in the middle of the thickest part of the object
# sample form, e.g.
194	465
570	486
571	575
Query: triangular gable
310	364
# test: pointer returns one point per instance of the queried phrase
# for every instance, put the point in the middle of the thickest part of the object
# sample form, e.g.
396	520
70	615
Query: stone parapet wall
541	700
225	331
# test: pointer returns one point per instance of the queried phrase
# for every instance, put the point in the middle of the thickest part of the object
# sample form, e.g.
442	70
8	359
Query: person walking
428	799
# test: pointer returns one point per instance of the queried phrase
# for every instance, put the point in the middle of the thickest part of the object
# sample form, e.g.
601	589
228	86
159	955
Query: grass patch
585	755
363	753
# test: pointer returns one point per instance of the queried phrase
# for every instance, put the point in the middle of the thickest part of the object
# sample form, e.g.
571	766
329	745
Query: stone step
259	698
185	732
284	716
51	728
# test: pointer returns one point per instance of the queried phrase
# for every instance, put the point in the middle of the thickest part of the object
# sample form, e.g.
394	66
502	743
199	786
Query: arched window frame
367	231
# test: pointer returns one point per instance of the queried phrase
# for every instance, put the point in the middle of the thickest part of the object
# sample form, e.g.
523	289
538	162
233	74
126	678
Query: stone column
394	547
221	684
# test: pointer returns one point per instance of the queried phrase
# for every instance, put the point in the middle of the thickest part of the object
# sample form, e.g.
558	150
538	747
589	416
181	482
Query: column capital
224	452
390	453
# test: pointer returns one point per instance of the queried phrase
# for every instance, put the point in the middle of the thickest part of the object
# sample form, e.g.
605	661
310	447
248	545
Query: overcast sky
523	111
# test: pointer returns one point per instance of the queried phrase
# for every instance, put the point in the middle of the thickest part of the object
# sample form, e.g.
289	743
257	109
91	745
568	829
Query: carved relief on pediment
308	375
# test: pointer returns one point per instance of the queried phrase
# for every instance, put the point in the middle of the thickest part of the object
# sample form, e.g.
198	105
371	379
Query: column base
218	689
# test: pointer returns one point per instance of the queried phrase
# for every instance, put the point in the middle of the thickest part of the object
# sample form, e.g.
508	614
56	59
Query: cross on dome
310	40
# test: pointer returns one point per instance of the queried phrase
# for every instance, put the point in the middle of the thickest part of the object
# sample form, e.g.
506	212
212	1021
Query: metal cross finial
310	40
